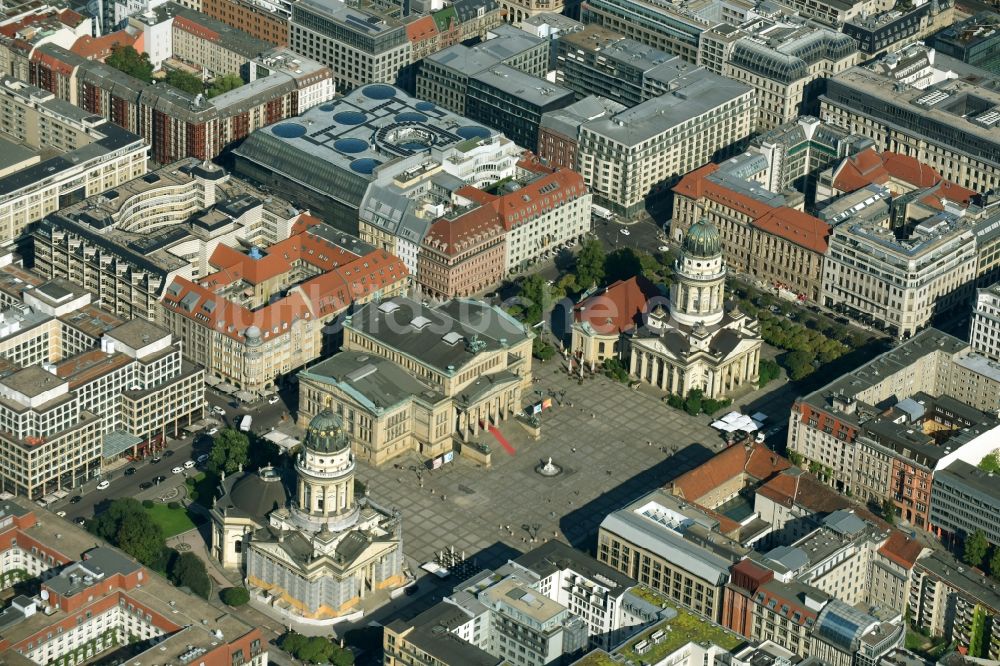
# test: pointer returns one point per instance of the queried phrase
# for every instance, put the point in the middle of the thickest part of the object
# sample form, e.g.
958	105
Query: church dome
702	240
259	494
325	433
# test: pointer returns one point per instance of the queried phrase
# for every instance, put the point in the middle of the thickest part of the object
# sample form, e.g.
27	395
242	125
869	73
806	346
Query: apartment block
950	601
964	499
93	600
559	130
127	244
888	30
260	315
56	154
764	234
25	28
263	20
178	124
634	155
82	387
672	28
949	125
835	13
825	426
985	333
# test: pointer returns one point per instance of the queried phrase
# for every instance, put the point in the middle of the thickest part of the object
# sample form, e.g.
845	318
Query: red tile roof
754	459
455	236
901	549
99	48
870	167
793	487
618	308
421	29
800	228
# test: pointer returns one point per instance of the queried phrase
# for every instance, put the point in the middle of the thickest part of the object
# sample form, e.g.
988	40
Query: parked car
188	464
80	520
156	459
212	432
625	232
273	400
202	458
61	514
74	499
145	485
103	485
130	471
160	479
218	410
177	470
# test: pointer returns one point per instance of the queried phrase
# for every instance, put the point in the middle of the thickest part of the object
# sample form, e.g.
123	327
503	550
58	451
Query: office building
127	244
82	387
764	234
55	154
835	13
445	75
631	156
784	59
959	605
559	130
676	548
412	377
260	315
597	61
949	125
259	18
964	499
552	28
317	549
92	601
330	158
695	342
984	335
604	322
487	235
179	124
845	635
896	27
825	425
975	40
669	27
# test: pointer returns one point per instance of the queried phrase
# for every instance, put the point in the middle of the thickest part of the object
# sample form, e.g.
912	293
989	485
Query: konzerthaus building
126	244
412	377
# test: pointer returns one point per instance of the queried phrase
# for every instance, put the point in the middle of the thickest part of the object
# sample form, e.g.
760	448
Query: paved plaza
612	442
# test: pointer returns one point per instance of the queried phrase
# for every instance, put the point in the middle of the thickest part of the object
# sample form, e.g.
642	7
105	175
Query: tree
768	371
234	596
542	350
995	563
977	633
589	267
976	546
615	369
229	452
889	511
189	571
185	81
127	525
799	364
990	463
127	59
531	296
622	264
315	649
795	458
692	405
223	84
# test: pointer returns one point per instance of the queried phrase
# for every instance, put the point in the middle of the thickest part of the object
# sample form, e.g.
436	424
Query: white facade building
985	334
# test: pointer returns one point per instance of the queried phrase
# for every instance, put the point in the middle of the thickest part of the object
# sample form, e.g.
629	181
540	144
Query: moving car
213	432
156	459
74	499
177	470
103	485
145	485
61	514
218	410
626	232
160	479
130	471
80	520
273	400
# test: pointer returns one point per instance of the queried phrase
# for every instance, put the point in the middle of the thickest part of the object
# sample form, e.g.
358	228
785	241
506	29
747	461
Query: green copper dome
702	240
325	433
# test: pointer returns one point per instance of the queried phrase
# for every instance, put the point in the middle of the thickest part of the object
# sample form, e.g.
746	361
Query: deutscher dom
697	343
318	553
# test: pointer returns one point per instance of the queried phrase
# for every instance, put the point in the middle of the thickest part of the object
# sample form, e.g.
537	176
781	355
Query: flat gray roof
32	381
373	381
961	473
532	89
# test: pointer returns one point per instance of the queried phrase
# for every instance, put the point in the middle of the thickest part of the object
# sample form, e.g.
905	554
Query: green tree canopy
189	571
990	463
589	267
889	511
542	350
976	546
127	525
185	81
995	563
532	296
769	371
229	451
127	59
799	364
316	649
622	264
223	84
235	596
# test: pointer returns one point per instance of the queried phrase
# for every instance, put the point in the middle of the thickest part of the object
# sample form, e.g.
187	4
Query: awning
212	381
117	442
226	387
759	417
734	421
245	396
281	439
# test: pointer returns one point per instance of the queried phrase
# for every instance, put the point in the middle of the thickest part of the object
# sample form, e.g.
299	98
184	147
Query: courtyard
612	442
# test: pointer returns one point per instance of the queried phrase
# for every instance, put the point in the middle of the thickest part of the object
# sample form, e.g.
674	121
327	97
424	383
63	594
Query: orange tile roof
754	459
873	168
421	29
53	63
800	228
89	365
947	190
901	549
454	236
793	486
618	308
99	48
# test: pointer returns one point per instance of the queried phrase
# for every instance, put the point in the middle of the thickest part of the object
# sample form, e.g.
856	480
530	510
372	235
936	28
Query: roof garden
597	658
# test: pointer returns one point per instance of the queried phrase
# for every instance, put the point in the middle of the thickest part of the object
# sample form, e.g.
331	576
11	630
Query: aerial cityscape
500	332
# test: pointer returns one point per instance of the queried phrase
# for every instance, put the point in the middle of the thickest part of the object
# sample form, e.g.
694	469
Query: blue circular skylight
473	132
350	117
289	130
410	117
350	145
365	165
424	106
328	107
378	91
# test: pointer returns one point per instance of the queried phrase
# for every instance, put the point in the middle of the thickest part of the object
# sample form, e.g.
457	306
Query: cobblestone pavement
613	444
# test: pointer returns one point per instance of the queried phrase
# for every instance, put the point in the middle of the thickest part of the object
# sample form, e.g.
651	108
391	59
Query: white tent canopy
734	421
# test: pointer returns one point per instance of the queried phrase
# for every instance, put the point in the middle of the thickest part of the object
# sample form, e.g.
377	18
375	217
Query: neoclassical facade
696	343
318	550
